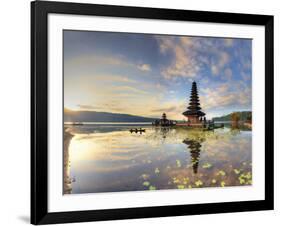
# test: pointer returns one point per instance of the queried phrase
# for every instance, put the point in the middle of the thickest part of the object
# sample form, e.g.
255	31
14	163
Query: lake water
107	157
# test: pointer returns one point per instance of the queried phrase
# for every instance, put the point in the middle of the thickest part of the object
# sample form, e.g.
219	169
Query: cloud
93	84
214	69
219	62
245	76
98	60
186	41
173	108
129	89
86	106
113	78
165	43
226	95
167	109
144	67
183	63
190	56
93	61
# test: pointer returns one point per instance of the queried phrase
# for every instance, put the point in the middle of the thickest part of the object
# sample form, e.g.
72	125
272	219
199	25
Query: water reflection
194	148
66	164
104	160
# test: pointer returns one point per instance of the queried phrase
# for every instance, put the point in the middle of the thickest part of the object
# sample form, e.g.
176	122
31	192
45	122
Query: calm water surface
109	158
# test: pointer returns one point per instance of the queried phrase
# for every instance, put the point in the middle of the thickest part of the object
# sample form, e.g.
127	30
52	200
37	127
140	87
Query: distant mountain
94	116
243	115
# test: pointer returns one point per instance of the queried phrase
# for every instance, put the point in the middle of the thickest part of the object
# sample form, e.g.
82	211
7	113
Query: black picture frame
39	112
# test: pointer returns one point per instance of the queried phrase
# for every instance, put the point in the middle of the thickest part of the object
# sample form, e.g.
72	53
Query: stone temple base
194	125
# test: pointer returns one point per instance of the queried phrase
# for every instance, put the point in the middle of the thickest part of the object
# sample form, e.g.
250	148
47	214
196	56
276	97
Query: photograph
149	112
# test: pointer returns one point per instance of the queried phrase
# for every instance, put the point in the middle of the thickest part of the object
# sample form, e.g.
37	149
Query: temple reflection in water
195	149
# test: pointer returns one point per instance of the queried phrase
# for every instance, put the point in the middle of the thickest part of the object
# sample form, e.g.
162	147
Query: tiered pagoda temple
193	113
164	121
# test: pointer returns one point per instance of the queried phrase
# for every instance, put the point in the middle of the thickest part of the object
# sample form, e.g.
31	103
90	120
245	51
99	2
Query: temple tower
193	112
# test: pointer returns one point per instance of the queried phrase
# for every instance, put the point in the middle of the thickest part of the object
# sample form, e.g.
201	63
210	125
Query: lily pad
198	183
176	180
178	163
185	180
236	171
207	165
145	176
181	186
241	180
221	173
152	187
146	183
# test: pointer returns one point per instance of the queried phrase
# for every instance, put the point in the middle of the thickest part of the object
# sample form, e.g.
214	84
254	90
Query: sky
148	74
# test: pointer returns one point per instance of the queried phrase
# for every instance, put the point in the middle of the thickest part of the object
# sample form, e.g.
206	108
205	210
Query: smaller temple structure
163	121
193	113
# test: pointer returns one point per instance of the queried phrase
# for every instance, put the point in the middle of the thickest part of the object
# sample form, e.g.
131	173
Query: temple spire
194	112
194	104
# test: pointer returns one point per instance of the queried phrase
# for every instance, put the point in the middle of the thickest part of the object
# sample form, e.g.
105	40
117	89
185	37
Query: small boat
77	124
136	130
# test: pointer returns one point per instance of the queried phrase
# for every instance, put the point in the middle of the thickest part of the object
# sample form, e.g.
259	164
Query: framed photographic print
144	112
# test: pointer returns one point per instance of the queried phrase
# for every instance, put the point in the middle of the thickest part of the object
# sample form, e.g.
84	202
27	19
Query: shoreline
66	163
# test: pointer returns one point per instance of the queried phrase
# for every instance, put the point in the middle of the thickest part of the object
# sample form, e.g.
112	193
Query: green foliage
243	116
235	117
